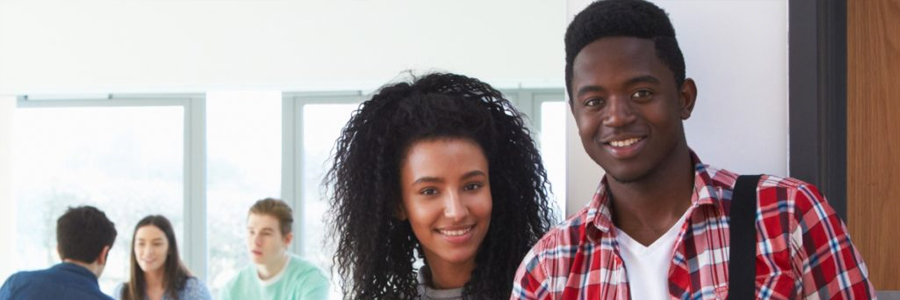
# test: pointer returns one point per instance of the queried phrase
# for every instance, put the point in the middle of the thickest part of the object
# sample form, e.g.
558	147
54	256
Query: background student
275	274
84	236
157	272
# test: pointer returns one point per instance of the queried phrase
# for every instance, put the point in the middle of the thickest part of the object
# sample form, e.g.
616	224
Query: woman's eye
428	191
472	186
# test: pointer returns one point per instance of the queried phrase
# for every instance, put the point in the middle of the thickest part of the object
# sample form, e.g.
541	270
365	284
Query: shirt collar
77	270
600	216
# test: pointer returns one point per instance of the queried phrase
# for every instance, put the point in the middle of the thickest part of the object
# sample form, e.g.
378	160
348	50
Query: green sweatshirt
299	280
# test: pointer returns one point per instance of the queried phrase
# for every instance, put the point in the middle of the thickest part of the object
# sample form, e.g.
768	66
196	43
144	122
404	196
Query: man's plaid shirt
803	249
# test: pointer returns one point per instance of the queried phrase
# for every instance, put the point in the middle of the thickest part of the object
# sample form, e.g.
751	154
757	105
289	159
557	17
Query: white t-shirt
647	267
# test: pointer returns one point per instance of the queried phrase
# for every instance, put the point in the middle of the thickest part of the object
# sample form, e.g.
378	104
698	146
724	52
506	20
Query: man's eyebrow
639	79
642	79
587	89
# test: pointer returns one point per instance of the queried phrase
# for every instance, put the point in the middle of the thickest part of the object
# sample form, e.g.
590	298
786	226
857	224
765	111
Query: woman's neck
269	269
450	276
154	279
154	284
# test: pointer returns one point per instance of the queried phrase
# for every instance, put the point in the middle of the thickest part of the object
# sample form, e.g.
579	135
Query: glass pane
244	164
322	124
126	161
553	149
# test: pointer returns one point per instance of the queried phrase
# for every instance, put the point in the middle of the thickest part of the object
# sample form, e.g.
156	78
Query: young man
275	274
84	236
658	225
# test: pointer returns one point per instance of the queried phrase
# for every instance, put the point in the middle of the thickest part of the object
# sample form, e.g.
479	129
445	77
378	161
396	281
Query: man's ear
687	97
104	254
288	238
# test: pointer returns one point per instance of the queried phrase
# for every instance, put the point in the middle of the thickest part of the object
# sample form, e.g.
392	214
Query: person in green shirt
275	274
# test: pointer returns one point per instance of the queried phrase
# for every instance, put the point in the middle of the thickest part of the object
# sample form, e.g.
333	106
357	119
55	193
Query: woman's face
150	248
447	199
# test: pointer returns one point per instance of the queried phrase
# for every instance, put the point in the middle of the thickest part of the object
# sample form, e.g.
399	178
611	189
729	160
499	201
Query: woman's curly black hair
376	250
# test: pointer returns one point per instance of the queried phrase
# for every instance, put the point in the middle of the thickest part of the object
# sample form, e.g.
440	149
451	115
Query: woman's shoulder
194	288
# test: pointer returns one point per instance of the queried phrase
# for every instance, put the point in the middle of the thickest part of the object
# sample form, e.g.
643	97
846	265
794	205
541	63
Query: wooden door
873	136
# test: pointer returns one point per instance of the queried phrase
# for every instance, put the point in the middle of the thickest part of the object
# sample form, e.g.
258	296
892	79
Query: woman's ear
400	213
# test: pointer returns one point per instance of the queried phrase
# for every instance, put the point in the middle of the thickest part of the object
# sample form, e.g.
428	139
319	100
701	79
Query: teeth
455	232
624	143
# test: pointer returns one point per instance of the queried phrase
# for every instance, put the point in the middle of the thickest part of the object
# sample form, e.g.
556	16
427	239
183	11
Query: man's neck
93	267
270	269
647	208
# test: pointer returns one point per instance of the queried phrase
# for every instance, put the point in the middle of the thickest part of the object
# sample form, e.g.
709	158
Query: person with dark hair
440	168
157	272
275	274
663	225
84	236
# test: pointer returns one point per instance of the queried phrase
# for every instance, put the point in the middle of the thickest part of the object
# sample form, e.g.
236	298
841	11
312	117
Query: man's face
627	106
264	239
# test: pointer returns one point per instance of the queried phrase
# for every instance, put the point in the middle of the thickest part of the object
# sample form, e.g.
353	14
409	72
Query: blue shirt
194	289
63	281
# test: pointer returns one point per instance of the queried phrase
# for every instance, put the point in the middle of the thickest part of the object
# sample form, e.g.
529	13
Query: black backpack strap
742	227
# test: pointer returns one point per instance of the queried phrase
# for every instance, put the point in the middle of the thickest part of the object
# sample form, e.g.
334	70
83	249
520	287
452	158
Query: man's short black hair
624	18
82	232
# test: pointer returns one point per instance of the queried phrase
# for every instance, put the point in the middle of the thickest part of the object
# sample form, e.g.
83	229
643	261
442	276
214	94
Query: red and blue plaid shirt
803	249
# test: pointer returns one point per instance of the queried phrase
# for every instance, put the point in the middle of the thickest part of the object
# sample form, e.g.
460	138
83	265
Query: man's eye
593	102
642	94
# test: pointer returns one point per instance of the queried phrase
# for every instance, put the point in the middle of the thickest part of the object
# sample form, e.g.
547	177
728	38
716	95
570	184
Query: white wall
197	45
736	51
7	215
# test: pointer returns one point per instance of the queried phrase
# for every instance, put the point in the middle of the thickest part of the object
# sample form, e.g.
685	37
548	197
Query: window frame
194	165
292	148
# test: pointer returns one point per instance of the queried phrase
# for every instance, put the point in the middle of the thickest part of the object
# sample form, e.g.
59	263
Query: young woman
441	169
157	272
275	273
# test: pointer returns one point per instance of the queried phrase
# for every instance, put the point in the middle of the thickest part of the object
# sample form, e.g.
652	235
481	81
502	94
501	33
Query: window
100	153
318	121
553	149
244	163
139	155
545	113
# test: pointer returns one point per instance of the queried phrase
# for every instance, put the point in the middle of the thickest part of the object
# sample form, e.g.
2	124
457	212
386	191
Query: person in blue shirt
84	236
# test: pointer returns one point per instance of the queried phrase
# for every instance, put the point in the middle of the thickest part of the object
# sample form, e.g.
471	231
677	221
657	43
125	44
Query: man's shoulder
24	277
566	234
302	269
243	280
782	194
39	284
726	179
